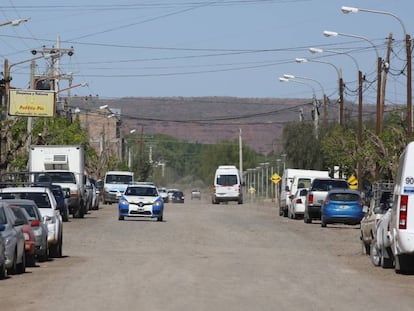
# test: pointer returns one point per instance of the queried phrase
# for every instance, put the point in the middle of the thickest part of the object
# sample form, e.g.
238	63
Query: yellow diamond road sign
275	178
353	182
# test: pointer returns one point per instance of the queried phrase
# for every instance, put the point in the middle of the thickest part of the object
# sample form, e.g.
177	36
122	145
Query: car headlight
157	203
123	202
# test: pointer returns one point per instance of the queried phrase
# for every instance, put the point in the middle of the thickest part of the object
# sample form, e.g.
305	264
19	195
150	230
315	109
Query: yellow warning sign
353	182
275	178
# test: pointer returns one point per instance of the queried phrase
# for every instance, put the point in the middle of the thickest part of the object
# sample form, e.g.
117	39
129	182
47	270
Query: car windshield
30	210
40	198
57	177
118	179
344	197
326	185
226	180
18	212
141	191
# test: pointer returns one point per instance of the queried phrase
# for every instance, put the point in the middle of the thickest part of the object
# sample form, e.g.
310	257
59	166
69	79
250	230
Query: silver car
14	240
3	271
38	225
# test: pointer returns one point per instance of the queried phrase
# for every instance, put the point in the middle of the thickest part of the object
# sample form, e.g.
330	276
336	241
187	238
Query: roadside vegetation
167	160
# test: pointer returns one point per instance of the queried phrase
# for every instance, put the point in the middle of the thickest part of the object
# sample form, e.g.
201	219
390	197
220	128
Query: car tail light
326	201
310	198
403	212
299	201
35	223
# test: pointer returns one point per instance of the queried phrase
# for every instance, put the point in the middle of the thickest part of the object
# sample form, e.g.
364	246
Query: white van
293	179
115	183
401	217
227	185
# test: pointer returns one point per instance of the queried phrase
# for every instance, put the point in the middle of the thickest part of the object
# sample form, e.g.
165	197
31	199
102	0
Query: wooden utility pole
384	80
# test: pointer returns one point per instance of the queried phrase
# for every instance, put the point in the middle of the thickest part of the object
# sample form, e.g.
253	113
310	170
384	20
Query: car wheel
121	217
375	254
3	271
21	267
323	224
54	250
45	256
30	260
160	218
65	216
13	268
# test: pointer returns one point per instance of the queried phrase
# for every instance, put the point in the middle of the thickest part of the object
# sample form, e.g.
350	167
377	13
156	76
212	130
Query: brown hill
214	119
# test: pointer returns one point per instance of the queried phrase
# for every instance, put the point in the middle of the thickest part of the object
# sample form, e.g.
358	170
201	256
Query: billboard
32	103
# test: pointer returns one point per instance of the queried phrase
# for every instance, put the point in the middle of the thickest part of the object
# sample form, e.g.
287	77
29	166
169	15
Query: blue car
342	206
141	200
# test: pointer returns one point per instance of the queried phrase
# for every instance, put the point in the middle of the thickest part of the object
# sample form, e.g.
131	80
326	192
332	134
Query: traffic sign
353	182
275	178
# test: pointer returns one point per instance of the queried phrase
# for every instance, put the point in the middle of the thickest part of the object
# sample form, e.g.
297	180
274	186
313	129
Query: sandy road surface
207	257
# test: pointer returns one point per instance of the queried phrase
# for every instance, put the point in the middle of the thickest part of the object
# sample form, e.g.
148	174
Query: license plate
343	206
140	209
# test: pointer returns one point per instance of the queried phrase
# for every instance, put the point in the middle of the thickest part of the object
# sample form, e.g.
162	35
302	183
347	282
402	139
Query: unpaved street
207	257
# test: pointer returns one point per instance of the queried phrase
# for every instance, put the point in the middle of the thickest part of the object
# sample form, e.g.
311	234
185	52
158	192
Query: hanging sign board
32	103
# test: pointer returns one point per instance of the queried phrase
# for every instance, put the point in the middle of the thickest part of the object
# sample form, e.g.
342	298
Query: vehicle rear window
344	197
326	185
41	199
226	180
19	214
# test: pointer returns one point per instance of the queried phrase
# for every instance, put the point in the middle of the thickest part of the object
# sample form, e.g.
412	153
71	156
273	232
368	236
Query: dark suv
316	195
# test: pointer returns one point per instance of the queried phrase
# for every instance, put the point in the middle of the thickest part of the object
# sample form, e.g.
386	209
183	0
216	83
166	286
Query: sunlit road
207	257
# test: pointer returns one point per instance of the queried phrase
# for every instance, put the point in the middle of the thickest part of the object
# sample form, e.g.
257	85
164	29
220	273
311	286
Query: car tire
45	256
30	260
375	254
21	267
121	218
13	269
323	224
160	218
55	250
3	271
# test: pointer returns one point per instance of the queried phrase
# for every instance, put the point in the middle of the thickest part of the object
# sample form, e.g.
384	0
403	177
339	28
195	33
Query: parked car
178	197
316	196
14	240
296	207
344	206
61	195
3	271
141	200
46	202
95	194
170	193
38	226
195	194
29	237
163	193
380	252
379	202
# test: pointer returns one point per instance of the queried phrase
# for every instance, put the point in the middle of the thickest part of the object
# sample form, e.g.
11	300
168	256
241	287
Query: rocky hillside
214	119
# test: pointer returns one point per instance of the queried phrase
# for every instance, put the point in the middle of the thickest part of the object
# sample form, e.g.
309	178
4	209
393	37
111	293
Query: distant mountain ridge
214	119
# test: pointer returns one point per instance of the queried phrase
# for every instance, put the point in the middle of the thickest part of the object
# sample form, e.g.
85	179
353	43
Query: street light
410	119
282	79
341	83
379	70
338	72
15	22
289	76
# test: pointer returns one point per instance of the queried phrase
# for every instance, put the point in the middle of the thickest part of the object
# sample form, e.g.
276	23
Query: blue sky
236	48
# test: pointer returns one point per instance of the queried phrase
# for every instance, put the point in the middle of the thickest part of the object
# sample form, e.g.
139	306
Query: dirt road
207	257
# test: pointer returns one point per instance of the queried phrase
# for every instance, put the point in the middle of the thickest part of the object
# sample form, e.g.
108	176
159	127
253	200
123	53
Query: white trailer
289	185
64	165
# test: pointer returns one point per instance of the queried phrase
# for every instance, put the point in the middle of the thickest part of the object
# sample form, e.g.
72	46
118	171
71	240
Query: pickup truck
316	195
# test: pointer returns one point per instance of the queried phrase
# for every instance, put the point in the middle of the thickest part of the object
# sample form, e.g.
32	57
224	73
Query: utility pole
359	164
409	90
341	100
384	80
240	156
